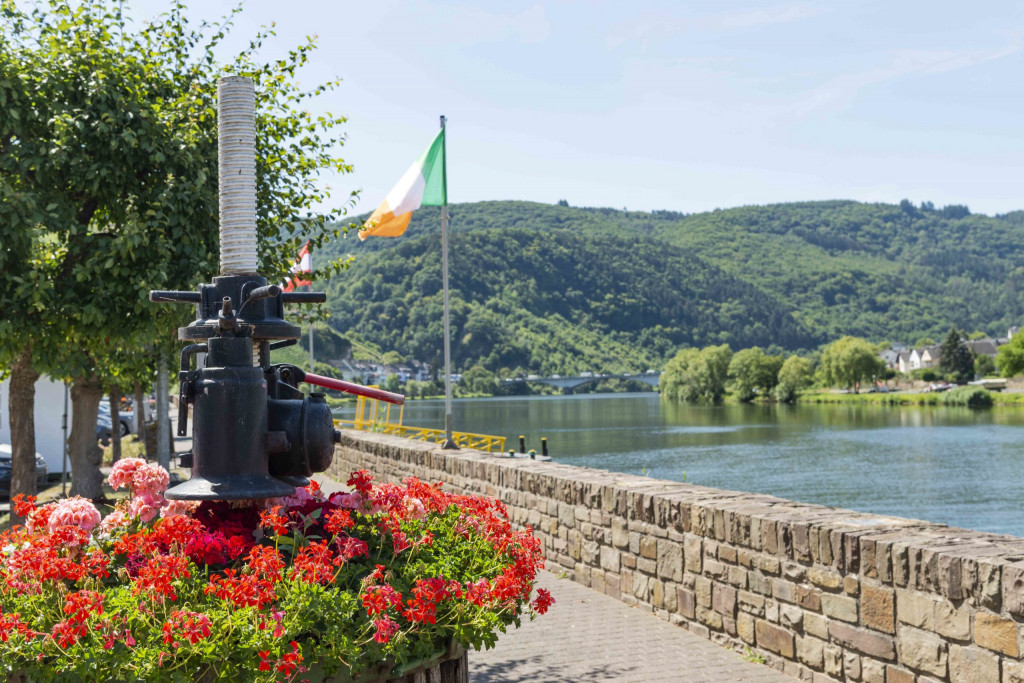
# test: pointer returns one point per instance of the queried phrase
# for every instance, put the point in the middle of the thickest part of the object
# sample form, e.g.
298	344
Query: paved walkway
588	636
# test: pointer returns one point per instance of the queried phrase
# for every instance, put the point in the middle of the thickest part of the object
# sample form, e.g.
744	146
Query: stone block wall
822	593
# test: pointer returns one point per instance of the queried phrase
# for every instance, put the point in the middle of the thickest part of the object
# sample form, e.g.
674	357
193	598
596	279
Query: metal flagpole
449	442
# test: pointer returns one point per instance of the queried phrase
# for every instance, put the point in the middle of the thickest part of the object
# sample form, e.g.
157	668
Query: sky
684	106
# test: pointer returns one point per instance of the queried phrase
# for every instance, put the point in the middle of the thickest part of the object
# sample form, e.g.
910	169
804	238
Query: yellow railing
375	416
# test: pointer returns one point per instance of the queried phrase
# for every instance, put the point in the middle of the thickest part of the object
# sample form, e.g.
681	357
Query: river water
950	465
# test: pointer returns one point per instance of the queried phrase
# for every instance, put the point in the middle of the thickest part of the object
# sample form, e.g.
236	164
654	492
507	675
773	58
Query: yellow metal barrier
375	416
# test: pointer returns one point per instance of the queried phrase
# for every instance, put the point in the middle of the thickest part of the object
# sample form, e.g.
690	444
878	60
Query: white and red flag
303	264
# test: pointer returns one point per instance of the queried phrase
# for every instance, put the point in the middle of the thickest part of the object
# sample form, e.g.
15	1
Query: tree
955	359
850	361
753	372
108	175
393	383
984	365
1010	357
479	380
694	375
923	342
793	376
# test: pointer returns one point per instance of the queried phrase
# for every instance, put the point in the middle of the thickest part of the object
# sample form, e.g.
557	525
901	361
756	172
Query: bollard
533	454
544	445
511	453
522	443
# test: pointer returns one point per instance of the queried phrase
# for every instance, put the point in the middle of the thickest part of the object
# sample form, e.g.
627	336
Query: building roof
982	347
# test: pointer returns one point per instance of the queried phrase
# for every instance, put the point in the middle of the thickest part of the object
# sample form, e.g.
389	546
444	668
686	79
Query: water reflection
951	465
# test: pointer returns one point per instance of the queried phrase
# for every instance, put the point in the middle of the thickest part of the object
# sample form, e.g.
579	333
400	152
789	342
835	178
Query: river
950	465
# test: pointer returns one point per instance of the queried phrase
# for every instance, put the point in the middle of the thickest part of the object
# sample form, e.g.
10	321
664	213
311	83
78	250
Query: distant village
905	360
372	372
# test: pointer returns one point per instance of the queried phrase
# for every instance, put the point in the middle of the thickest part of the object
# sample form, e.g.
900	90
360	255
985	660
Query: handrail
481	442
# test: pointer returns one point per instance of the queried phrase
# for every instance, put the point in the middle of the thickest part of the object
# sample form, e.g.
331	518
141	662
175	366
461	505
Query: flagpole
449	442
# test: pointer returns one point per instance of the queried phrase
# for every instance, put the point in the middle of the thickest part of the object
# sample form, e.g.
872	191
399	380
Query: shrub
971	397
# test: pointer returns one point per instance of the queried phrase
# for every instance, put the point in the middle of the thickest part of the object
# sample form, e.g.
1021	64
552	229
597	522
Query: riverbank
904	398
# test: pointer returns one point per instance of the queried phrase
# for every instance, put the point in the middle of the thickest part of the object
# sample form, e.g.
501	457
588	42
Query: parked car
103	421
42	472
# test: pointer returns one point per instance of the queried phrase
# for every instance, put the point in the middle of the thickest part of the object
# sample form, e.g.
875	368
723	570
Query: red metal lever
357	389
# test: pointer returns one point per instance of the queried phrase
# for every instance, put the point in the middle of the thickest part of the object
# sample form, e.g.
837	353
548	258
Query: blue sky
687	106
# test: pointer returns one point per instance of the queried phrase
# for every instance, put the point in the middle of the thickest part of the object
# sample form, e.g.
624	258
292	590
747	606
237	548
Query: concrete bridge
567	384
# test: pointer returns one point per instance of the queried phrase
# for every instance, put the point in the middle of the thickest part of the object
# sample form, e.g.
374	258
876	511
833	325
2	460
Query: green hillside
557	289
553	301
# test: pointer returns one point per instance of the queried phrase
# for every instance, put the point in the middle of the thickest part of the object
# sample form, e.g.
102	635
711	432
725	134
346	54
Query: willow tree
108	159
849	361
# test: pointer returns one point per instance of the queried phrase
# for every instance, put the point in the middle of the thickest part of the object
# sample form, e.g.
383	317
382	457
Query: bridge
567	384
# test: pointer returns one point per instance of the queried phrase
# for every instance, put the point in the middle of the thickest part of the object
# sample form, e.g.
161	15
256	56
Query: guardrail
374	416
480	442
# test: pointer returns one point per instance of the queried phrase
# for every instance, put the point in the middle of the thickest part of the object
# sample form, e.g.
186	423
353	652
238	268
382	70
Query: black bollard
544	445
522	444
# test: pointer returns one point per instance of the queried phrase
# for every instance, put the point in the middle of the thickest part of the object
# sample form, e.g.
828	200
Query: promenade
588	636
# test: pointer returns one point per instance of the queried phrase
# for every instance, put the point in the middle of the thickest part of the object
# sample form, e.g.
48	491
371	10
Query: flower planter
327	588
447	666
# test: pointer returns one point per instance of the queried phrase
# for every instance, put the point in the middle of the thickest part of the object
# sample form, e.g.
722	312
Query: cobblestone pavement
587	636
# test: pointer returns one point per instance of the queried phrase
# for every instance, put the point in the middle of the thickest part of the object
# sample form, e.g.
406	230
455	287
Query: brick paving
588	636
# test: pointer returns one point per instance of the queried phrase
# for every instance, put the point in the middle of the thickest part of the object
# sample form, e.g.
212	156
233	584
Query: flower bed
362	582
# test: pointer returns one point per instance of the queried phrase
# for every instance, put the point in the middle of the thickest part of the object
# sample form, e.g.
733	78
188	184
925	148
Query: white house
903	361
890	357
930	356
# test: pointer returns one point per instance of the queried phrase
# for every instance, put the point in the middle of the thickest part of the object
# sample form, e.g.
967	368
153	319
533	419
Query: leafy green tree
694	375
977	334
479	380
108	179
984	366
955	359
849	361
393	383
794	375
1010	357
753	372
923	342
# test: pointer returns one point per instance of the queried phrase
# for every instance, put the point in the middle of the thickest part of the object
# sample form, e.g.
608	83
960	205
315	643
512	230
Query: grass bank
910	398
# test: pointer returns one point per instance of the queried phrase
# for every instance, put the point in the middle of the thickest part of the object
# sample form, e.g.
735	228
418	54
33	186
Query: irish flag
424	184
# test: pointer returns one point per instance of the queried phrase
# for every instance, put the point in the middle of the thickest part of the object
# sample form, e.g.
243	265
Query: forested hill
551	288
553	301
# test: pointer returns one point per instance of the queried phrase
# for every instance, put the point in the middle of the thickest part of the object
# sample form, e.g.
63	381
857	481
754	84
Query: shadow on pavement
535	670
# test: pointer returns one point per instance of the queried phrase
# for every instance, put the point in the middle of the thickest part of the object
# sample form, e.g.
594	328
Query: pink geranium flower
123	472
146	506
75	511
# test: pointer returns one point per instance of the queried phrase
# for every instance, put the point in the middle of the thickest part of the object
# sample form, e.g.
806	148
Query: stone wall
822	593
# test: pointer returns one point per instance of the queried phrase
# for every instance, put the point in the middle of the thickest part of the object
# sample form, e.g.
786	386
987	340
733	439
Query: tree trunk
83	450
115	422
140	414
163	420
22	402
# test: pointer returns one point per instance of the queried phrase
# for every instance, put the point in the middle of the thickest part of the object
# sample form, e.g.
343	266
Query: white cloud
902	63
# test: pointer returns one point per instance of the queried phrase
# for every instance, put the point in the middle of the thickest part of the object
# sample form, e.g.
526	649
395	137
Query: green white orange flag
424	184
